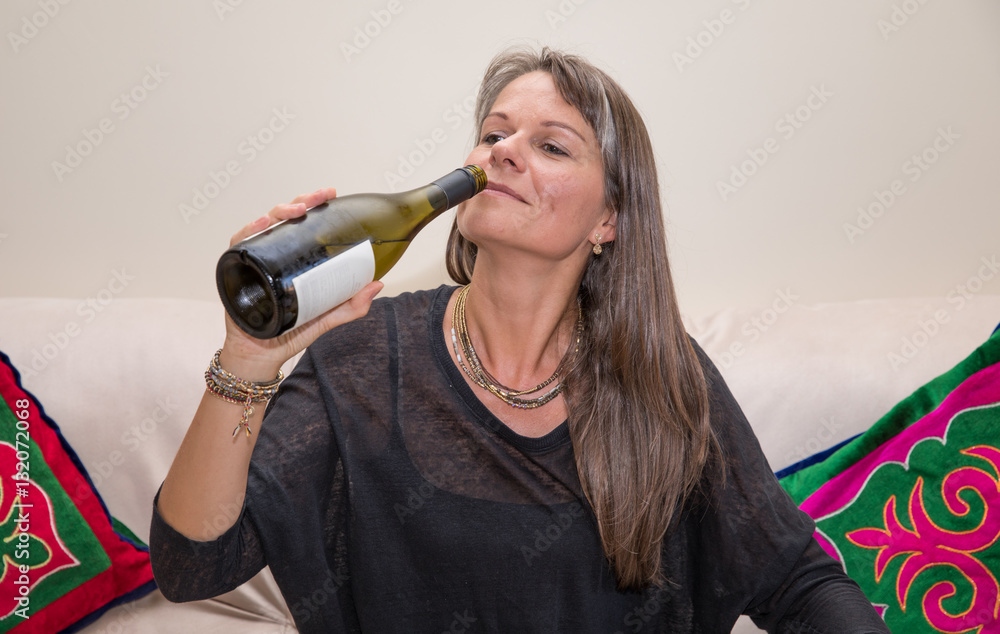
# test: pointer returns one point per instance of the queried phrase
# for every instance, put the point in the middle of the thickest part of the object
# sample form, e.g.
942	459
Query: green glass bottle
298	269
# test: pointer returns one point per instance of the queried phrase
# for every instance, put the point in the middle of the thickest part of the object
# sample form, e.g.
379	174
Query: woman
543	449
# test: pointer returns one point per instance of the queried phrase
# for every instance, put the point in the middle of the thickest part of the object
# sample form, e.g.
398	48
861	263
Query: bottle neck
461	185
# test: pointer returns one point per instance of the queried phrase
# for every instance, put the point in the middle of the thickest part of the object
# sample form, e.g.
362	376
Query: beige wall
848	102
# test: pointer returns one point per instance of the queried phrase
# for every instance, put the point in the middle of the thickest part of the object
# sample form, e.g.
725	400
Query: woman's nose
506	152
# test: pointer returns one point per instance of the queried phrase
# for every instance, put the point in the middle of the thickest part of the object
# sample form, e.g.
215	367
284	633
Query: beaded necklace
473	367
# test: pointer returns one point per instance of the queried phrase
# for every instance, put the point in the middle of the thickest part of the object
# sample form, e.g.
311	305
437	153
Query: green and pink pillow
64	559
911	507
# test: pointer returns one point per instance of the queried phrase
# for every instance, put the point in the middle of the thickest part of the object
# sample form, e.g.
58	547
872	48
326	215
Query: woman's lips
502	190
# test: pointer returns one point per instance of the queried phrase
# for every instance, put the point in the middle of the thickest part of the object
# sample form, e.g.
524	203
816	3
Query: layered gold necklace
469	361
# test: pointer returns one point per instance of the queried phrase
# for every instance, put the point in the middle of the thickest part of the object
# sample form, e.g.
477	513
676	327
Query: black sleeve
286	474
817	597
763	544
190	570
295	514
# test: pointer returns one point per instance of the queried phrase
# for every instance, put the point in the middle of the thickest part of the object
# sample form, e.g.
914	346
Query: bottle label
333	282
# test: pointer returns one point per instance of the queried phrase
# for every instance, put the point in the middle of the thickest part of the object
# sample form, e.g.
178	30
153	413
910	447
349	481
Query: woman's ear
607	227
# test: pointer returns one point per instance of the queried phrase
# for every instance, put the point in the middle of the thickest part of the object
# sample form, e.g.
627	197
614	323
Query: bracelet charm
233	389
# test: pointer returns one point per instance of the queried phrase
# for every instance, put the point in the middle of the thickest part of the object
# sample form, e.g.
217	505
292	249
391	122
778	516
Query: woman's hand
259	359
208	477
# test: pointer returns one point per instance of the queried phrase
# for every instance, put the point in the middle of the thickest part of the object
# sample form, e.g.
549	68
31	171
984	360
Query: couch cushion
123	377
912	506
64	560
809	376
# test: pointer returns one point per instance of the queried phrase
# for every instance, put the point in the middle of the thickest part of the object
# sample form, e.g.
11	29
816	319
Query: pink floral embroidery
928	545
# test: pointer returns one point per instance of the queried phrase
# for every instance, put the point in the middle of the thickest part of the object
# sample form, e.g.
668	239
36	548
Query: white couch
122	377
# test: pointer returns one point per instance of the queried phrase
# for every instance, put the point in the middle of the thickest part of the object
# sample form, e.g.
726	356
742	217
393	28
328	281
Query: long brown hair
637	397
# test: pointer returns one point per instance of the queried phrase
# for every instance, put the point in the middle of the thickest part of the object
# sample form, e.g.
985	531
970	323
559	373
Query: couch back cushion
811	376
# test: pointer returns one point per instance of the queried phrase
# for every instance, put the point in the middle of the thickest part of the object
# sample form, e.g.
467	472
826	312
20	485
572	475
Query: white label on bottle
333	282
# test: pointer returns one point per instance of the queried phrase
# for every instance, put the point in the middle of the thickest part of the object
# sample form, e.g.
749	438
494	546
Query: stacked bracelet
231	388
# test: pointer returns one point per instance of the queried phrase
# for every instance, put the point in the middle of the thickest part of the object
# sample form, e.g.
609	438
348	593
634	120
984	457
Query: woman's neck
521	325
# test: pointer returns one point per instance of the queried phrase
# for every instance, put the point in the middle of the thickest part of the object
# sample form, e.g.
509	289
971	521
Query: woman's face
546	177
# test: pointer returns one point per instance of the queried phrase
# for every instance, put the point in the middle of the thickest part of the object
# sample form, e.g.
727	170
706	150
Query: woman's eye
491	138
553	149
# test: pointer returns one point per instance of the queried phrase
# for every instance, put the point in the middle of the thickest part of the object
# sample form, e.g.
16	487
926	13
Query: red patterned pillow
63	559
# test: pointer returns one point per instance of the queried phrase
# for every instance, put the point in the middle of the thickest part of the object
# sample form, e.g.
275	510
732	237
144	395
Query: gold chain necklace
473	367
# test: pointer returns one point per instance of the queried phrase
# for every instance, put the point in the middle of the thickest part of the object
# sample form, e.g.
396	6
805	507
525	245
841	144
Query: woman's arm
818	598
207	479
203	492
762	546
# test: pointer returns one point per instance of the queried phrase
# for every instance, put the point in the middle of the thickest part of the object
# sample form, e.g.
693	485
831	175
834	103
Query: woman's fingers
250	352
318	197
294	209
354	308
256	226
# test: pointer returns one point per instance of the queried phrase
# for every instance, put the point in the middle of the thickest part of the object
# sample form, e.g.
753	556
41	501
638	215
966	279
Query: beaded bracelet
233	389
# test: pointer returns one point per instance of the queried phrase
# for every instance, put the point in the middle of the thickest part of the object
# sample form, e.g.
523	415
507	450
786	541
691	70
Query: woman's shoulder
727	419
713	377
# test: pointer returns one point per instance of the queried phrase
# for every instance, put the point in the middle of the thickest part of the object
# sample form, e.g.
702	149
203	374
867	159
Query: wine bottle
298	269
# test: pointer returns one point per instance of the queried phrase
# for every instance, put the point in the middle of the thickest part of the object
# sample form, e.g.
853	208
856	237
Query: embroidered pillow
911	507
64	559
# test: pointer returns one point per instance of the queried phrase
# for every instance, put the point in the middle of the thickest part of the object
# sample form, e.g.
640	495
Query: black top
387	498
